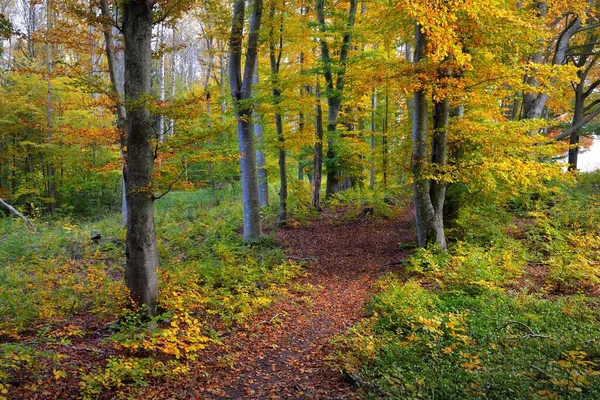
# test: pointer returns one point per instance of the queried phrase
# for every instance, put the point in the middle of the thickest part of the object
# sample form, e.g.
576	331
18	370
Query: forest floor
285	351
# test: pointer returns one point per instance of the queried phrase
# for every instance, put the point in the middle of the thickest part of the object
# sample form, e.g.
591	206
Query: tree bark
275	54
261	159
49	128
533	105
141	252
429	214
18	214
318	151
241	91
578	116
372	139
335	178
113	73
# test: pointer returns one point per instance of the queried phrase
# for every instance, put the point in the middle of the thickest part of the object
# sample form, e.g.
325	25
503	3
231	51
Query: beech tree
334	73
241	92
141	251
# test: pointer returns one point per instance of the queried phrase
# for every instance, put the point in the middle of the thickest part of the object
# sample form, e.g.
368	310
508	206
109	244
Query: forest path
283	353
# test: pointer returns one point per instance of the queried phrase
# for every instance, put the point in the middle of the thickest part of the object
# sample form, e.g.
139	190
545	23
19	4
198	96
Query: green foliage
455	345
475	323
122	371
360	202
208	277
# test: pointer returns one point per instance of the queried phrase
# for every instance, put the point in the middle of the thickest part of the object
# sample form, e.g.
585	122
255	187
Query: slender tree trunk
161	80
49	128
372	139
141	253
318	151
241	91
283	190
113	72
384	140
275	54
261	159
578	115
335	177
172	120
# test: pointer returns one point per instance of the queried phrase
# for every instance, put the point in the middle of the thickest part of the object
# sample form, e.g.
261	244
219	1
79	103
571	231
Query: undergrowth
510	311
62	293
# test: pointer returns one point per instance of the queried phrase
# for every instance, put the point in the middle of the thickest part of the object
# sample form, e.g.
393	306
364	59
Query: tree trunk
49	127
318	153
578	115
161	80
384	140
275	54
113	73
336	181
141	252
429	216
335	177
261	159
241	91
372	139
283	190
172	120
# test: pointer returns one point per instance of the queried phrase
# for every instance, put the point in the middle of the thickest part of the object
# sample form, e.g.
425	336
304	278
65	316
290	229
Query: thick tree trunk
429	219
261	159
241	90
142	255
318	151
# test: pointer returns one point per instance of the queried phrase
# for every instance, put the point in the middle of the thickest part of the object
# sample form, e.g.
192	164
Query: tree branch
18	214
575	127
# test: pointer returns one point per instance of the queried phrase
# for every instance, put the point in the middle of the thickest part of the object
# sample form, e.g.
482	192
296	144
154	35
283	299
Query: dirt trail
284	355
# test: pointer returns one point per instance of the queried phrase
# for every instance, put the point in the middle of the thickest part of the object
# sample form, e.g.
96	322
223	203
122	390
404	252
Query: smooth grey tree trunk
161	80
113	72
533	104
384	140
49	98
318	151
141	252
261	159
241	91
275	54
428	196
372	139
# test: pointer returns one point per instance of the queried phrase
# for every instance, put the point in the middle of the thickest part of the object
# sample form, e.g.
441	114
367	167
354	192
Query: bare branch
18	214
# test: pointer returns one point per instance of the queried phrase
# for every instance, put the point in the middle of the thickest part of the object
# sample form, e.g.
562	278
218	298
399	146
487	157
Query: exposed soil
285	353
